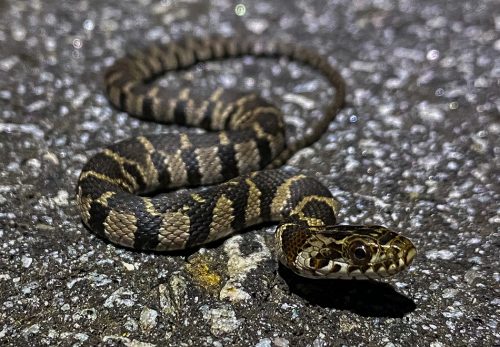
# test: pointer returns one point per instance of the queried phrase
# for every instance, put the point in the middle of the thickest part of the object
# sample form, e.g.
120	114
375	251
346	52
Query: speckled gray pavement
416	148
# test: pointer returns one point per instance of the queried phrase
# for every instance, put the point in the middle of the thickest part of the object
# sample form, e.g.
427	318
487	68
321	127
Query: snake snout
395	256
409	253
403	250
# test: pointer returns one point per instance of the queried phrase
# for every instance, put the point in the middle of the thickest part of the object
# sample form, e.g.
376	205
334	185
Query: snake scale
236	158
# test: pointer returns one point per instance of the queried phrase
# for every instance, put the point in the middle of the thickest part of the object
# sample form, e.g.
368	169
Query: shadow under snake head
344	251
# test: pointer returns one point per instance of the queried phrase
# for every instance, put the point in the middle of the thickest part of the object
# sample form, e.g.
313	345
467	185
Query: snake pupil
360	253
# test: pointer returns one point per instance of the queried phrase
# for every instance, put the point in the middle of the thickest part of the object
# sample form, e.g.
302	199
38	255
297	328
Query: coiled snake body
245	134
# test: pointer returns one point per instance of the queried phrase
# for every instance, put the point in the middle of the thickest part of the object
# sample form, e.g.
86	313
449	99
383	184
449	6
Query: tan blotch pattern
334	205
252	212
223	215
209	164
83	203
247	156
176	168
283	195
120	160
148	169
174	231
108	179
120	228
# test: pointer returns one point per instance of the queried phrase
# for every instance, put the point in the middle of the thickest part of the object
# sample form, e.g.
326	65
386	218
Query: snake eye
360	252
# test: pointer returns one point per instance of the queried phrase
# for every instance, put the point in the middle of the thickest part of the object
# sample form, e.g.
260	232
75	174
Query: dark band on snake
236	158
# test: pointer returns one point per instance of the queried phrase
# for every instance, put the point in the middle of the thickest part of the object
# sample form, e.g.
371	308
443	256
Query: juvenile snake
245	134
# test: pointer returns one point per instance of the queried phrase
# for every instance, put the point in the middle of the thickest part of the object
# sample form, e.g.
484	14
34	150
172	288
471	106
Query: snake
178	190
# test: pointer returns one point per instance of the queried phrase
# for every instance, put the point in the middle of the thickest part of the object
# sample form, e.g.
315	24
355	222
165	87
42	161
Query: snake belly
245	140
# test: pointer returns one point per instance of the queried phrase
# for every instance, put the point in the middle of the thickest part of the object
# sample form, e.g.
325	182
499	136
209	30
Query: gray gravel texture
416	149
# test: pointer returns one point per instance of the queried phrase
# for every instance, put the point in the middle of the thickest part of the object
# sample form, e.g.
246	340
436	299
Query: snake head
351	252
